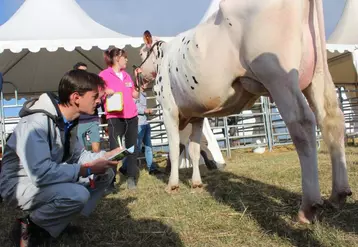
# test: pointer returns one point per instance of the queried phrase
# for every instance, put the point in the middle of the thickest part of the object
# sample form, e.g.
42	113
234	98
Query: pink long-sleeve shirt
126	86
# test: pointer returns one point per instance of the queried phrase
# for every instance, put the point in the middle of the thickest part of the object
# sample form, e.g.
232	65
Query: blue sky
115	14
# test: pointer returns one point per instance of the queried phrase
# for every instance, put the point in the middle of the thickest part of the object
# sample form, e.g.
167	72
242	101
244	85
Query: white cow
247	49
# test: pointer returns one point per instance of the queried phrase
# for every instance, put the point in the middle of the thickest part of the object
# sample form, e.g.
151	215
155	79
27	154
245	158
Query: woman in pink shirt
124	123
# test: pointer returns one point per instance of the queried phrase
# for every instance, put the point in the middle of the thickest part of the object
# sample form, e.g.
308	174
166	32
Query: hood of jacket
47	104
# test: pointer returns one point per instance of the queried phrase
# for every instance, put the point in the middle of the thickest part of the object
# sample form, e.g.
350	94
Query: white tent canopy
343	44
53	24
43	39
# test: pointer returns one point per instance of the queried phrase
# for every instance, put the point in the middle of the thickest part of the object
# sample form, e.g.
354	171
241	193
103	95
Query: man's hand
98	166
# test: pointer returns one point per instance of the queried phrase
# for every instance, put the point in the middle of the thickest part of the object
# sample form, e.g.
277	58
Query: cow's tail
321	68
318	9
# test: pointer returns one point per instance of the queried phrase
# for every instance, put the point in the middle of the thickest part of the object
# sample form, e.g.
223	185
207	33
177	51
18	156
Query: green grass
253	202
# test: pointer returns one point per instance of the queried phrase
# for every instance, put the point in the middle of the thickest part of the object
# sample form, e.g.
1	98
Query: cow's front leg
171	122
194	152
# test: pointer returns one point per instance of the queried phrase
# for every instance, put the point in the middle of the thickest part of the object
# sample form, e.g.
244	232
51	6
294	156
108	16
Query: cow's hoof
337	200
308	215
170	189
197	188
197	185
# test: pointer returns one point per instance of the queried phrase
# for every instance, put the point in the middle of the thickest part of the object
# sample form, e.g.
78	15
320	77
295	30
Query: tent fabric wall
42	71
342	69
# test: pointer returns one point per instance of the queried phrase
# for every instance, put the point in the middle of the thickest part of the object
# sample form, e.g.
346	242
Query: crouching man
46	170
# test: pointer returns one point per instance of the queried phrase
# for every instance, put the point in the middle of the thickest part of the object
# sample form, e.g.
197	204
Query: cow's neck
158	54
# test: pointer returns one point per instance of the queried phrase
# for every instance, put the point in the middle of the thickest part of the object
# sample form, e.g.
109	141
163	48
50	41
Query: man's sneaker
131	183
26	234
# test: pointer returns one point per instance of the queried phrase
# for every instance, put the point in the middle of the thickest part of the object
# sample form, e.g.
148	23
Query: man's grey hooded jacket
36	152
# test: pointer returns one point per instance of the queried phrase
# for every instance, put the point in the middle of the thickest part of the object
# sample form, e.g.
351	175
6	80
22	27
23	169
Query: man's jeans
144	136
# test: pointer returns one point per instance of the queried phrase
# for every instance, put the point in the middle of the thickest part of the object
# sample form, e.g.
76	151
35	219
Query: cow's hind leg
322	97
284	88
194	151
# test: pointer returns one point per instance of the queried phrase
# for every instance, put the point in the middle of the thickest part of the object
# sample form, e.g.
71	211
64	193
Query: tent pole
91	61
16	62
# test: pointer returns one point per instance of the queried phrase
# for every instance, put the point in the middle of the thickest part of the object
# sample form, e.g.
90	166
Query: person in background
45	170
88	125
80	65
144	129
123	124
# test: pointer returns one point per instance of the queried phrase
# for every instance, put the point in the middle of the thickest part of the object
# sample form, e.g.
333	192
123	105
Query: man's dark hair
79	64
79	81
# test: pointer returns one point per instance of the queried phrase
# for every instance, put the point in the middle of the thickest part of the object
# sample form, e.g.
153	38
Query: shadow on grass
275	209
110	225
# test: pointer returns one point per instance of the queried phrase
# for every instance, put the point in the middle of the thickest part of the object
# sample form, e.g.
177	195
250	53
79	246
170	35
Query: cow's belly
308	60
214	102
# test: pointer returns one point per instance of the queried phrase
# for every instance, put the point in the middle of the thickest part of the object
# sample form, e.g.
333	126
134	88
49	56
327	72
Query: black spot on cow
158	93
161	88
183	56
192	87
158	53
183	39
169	70
230	24
197	46
186	76
187	81
196	82
188	42
160	78
177	69
157	68
162	54
155	93
140	54
179	50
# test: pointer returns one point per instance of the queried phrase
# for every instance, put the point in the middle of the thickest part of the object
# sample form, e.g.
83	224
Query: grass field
253	202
